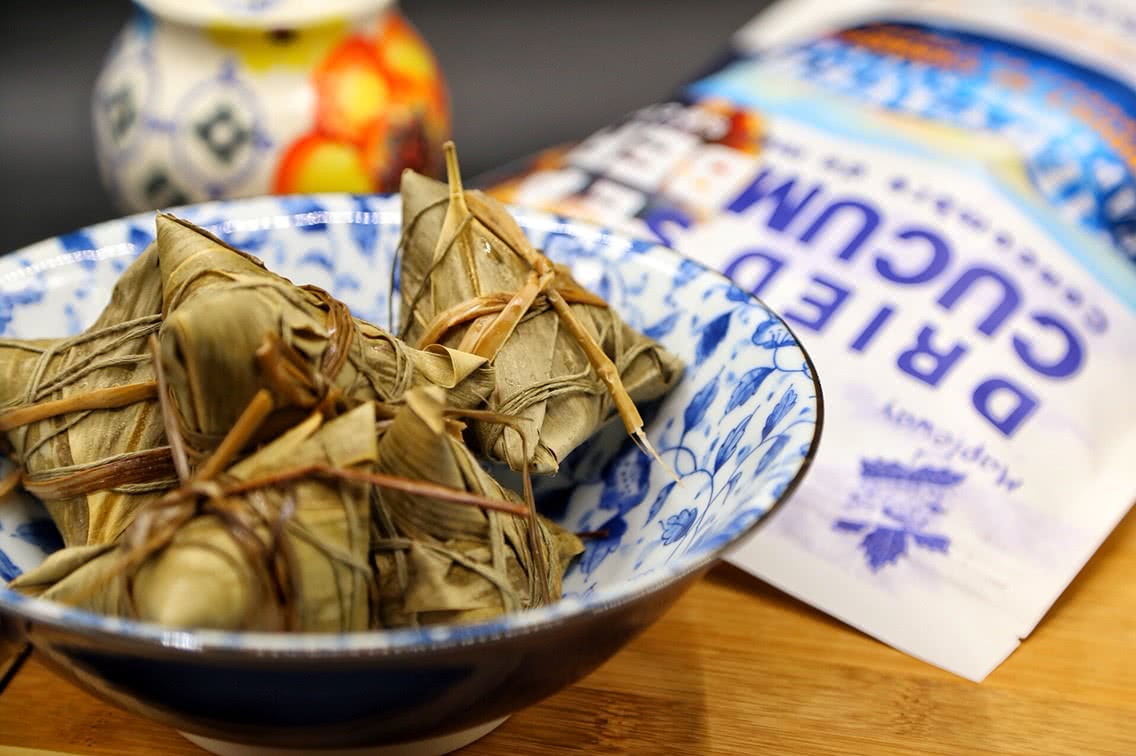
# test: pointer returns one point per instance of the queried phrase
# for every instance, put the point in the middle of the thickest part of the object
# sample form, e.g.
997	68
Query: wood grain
737	667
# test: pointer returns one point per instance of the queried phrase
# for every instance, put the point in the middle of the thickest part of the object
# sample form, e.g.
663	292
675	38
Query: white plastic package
942	204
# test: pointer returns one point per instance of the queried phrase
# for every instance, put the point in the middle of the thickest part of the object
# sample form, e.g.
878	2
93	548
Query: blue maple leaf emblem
884	545
903	503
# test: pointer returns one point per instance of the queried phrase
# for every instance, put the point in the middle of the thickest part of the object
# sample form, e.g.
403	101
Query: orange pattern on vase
404	56
381	107
316	163
351	92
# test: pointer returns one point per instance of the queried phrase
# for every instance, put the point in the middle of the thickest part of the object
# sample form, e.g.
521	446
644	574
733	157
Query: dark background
523	74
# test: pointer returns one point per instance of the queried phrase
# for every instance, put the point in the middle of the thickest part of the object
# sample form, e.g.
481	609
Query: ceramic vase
234	98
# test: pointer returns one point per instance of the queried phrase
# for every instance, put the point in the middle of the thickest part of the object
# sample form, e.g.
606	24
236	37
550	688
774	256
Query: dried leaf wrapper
288	557
464	263
440	562
92	467
232	327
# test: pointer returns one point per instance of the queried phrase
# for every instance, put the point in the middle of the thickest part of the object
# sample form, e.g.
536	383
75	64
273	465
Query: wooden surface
739	668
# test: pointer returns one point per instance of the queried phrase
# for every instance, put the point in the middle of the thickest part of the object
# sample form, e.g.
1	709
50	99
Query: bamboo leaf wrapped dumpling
221	304
80	415
440	562
322	525
291	556
564	360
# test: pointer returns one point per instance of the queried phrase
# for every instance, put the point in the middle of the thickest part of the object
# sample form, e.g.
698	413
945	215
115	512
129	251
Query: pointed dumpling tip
419	193
453	173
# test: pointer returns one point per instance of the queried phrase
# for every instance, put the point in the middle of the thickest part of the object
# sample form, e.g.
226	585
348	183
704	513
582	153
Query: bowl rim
150	639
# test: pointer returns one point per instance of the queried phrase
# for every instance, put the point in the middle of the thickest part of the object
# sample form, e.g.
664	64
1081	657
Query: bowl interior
738	429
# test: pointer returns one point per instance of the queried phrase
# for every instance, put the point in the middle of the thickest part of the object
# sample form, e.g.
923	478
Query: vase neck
262	14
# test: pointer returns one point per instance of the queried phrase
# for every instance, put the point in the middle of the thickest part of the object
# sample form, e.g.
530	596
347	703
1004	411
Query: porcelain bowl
739	430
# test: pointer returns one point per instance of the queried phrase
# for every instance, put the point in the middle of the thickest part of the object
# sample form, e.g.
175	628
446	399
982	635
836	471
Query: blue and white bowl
739	429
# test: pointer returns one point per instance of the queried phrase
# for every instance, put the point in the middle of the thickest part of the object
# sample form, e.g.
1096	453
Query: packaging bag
941	202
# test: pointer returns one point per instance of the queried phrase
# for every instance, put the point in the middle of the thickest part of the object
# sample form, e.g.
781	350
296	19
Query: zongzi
80	417
291	556
232	327
564	360
442	562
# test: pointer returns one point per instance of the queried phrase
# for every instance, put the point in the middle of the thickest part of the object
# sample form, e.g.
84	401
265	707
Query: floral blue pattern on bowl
739	429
